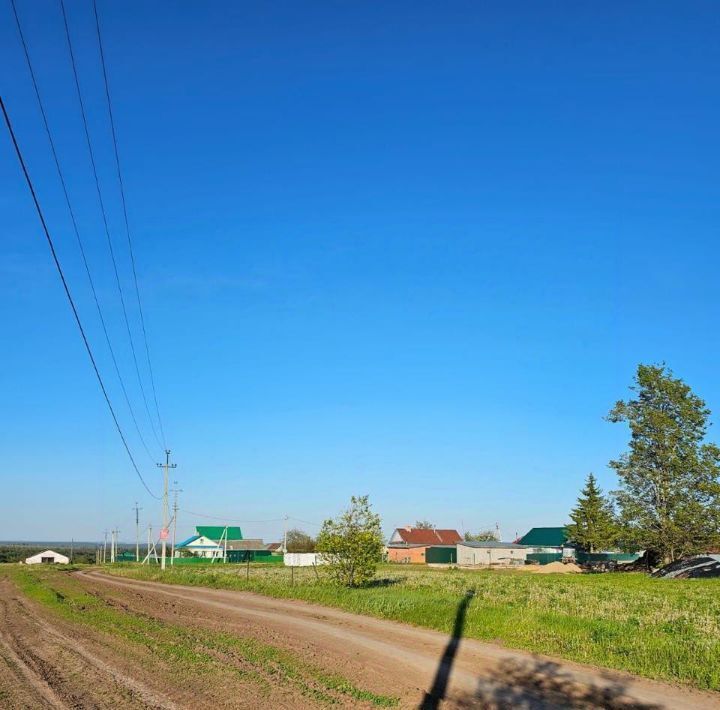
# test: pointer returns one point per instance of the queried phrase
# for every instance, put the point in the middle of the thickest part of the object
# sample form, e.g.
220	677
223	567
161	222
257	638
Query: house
422	554
47	558
411	545
275	548
547	545
424	536
489	553
210	541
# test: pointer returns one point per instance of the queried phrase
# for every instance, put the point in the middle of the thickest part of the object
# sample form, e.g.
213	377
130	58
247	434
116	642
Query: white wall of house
47	557
205	547
487	556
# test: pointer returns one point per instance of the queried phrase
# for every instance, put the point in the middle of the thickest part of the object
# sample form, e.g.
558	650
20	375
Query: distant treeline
81	554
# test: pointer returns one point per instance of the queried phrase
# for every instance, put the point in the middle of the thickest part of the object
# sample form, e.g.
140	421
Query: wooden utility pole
105	548
164	533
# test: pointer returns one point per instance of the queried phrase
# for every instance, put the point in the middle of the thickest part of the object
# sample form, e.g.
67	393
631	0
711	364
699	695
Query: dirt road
91	640
424	668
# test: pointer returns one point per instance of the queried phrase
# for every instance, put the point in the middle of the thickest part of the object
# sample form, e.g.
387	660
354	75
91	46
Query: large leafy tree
299	541
593	524
424	525
352	543
669	493
482	536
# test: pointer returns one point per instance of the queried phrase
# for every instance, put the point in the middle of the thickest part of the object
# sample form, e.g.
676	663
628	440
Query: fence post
292	576
247	569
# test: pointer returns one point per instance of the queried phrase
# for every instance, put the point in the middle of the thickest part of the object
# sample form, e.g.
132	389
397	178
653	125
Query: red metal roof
426	536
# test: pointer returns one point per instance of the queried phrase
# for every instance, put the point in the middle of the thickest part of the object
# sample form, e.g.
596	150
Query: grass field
666	629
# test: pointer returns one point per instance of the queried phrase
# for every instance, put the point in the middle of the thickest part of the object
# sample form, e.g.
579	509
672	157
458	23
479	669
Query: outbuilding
47	558
490	553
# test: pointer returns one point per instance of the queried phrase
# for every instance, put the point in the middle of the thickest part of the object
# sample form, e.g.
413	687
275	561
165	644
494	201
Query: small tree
482	536
593	524
352	543
424	525
299	541
669	497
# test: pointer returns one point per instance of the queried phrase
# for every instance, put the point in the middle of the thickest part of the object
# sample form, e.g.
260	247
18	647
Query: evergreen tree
669	497
593	524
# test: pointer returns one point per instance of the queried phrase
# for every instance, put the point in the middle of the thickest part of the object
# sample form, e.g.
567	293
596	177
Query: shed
491	553
47	558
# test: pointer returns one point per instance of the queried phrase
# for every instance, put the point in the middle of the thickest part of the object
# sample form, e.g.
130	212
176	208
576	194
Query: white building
490	553
47	558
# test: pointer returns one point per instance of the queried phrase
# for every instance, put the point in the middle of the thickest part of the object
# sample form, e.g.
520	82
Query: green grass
665	629
261	664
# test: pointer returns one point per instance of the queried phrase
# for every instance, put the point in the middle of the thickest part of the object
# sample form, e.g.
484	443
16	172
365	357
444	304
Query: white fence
303	559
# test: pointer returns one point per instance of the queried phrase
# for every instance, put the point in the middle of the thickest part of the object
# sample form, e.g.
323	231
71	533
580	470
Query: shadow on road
525	683
442	675
540	684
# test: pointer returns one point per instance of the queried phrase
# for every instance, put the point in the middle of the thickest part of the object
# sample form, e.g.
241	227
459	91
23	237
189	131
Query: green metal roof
215	532
544	537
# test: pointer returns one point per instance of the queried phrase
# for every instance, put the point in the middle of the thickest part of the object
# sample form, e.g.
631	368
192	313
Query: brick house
413	545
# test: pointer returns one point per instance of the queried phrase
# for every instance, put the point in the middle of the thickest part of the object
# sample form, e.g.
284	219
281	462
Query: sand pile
555	568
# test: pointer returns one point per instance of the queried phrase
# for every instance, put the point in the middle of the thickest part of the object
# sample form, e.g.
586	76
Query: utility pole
105	548
175	491
285	534
112	546
165	508
137	532
72	544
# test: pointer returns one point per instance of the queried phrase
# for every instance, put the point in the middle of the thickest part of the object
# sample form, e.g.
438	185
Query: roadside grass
258	663
663	629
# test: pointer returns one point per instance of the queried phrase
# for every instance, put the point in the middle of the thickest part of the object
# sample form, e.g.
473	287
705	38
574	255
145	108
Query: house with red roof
423	545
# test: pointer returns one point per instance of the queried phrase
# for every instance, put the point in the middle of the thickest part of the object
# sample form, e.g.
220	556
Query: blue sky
406	250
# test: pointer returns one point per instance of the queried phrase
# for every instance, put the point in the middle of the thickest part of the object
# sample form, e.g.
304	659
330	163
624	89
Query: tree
424	525
669	479
593	524
352	543
299	541
482	536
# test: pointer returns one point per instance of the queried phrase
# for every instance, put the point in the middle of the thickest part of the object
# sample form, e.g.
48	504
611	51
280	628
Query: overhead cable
127	222
69	295
105	219
76	230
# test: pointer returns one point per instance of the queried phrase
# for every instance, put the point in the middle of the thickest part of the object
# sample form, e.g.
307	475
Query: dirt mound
555	568
691	568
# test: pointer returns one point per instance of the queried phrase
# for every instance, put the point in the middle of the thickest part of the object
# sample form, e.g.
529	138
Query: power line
230	520
127	223
75	226
69	295
104	217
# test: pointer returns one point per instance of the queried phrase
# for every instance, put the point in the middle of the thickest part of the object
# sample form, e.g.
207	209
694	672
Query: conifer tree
593	524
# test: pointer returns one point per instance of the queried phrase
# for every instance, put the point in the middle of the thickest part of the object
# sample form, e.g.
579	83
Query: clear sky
408	249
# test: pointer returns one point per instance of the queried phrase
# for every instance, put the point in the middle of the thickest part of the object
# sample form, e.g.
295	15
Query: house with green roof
546	545
210	541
